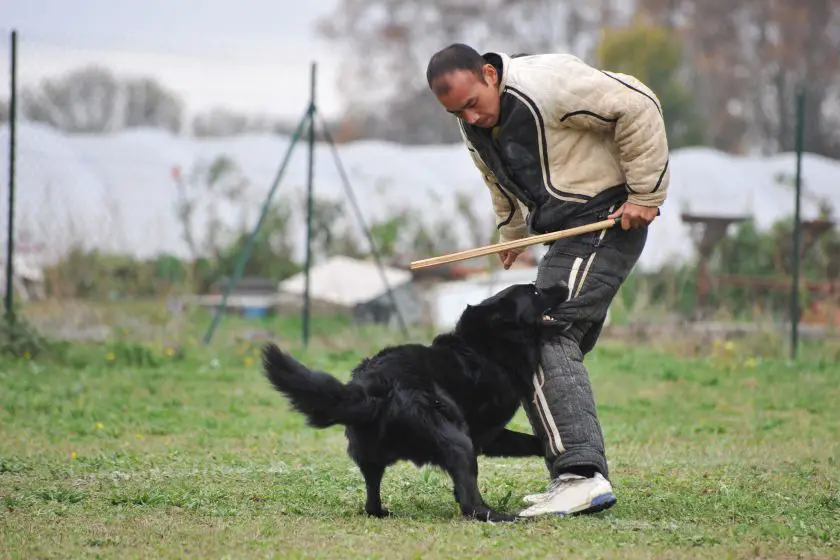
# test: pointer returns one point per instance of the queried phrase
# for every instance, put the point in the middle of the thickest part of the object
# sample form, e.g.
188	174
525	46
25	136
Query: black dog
441	404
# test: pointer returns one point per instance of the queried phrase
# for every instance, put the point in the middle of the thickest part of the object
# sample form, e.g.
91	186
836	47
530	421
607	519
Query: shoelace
560	481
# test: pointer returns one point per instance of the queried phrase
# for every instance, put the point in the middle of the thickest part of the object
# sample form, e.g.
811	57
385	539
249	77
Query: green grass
194	456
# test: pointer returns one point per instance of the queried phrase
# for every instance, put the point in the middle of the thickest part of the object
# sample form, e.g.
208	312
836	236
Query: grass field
112	455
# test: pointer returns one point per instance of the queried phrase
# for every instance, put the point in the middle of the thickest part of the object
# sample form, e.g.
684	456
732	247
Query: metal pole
357	210
797	224
10	236
246	251
308	265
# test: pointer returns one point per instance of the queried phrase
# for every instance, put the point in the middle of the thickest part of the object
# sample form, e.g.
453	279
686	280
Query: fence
126	198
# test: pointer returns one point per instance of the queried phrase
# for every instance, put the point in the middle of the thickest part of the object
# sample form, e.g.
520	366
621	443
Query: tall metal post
797	225
310	173
245	254
10	235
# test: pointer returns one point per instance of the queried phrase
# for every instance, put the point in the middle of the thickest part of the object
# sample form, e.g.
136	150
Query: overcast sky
247	54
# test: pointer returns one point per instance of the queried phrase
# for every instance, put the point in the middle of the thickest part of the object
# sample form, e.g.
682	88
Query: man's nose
470	116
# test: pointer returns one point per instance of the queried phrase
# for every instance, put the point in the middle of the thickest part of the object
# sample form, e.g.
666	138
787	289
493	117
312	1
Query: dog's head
520	306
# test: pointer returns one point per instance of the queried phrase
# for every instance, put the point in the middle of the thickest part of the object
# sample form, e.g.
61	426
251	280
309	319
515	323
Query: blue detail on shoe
603	502
600	503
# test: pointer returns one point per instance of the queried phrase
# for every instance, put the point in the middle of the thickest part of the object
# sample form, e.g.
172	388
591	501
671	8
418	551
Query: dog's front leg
373	479
459	460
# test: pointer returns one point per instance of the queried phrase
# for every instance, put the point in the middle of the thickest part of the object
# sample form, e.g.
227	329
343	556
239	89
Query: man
561	144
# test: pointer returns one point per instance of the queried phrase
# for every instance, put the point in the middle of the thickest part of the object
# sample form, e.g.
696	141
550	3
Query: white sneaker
571	494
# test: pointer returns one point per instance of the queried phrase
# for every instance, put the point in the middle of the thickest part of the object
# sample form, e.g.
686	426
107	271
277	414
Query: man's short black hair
456	56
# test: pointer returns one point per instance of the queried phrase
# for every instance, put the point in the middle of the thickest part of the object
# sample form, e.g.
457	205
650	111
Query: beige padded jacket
569	136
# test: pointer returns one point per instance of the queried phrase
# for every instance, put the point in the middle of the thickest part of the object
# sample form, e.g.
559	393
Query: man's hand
634	216
508	257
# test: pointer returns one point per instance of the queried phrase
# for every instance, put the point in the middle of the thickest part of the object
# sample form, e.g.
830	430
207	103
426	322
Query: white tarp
116	192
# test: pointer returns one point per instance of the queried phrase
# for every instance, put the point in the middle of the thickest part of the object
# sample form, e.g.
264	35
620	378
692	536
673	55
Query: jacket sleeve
510	221
619	104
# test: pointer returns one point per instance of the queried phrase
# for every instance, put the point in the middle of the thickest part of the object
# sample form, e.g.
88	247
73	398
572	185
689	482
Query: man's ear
490	74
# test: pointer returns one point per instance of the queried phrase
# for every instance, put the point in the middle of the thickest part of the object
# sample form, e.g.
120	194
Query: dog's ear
489	311
472	318
506	307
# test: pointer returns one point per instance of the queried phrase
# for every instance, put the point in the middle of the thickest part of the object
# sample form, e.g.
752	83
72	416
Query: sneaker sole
601	503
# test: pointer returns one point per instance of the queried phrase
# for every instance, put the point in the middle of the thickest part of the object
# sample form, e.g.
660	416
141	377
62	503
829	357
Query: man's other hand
507	257
634	216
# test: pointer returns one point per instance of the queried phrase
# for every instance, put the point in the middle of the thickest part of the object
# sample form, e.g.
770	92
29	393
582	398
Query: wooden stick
515	244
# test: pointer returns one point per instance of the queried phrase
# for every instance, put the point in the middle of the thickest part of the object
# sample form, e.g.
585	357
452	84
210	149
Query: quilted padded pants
561	409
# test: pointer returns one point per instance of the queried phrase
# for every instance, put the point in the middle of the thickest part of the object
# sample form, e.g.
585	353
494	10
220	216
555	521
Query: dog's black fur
441	404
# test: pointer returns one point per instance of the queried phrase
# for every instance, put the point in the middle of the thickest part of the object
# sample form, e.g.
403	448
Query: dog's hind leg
457	457
373	478
513	444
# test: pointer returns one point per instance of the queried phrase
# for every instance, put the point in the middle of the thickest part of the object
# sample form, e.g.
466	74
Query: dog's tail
323	399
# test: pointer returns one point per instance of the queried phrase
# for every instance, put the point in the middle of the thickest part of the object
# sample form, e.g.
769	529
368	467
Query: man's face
468	98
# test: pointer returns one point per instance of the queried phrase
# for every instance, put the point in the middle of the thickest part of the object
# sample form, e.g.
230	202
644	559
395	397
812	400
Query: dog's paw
380	513
491	516
496	517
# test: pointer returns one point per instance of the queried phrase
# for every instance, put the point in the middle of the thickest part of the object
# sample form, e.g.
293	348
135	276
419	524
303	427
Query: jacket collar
499	59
